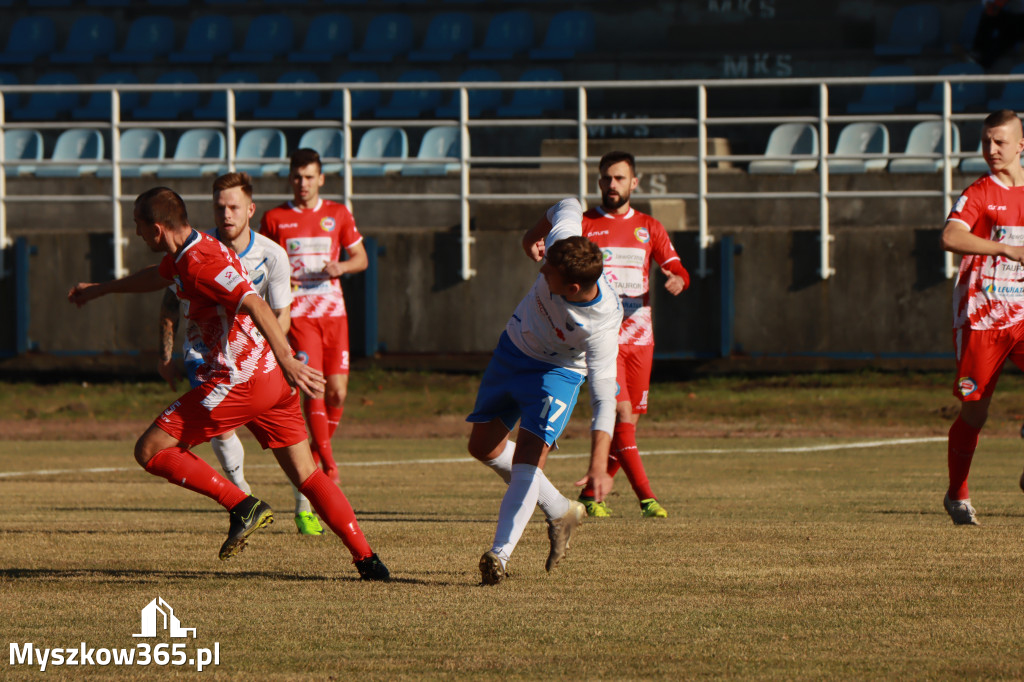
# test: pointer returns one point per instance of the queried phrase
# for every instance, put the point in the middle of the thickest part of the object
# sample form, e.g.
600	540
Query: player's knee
335	397
144	451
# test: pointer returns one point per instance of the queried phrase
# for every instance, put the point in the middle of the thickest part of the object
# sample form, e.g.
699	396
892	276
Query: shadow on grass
143	575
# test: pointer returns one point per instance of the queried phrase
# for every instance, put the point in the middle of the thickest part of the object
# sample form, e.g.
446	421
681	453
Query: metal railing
700	119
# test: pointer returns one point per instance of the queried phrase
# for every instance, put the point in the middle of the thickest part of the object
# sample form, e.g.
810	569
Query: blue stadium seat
149	38
97	106
22	144
261	151
170	104
509	34
209	36
439	144
388	37
968	28
966	94
533	103
329	38
362	100
74	148
449	35
29	38
11	100
412	103
291	104
199	152
879	98
138	144
569	32
915	28
246	101
861	138
270	37
91	37
925	138
973	165
381	143
49	106
480	101
328	143
788	139
1012	96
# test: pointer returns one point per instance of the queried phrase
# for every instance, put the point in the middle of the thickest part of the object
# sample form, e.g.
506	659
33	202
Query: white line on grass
457	460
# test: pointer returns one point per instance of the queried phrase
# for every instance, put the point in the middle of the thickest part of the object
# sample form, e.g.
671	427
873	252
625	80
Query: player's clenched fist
83	292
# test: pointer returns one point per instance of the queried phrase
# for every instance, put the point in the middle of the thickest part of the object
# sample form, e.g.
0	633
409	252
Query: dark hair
162	205
578	259
231	180
1001	118
612	158
302	158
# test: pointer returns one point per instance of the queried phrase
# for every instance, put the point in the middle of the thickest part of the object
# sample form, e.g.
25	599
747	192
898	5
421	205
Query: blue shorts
517	387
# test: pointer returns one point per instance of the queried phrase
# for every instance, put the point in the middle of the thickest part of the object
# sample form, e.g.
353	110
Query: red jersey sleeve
268	228
349	235
220	282
968	207
664	253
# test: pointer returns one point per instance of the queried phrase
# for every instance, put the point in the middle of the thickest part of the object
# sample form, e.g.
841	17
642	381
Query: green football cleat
247	517
594	508
651	509
308	524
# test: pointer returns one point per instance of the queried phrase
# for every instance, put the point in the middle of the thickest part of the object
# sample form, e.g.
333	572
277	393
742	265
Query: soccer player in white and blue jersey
564	331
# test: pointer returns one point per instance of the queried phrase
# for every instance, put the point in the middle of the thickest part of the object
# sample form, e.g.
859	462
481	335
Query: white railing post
825	237
346	152
230	101
115	184
581	132
466	238
704	236
947	169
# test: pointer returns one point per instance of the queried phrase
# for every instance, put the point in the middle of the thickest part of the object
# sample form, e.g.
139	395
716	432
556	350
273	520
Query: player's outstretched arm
307	379
145	280
957	238
170	315
357	261
533	240
597	475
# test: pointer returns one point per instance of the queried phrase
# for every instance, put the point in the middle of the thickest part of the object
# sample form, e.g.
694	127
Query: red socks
316	419
333	417
333	507
625	450
182	468
963	440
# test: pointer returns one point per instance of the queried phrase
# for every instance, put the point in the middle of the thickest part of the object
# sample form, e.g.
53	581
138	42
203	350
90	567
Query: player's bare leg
963	440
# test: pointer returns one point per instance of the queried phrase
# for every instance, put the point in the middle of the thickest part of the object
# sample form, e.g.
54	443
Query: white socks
516	509
301	503
231	455
554	504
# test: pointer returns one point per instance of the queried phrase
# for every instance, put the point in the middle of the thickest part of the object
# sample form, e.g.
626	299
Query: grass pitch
781	559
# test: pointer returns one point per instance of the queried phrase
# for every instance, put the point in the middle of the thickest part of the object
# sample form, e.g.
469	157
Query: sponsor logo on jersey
999	234
642	235
967	386
996	207
989	288
170	409
960	203
597	233
259	278
607	253
302	357
229	278
294	244
287	225
327	224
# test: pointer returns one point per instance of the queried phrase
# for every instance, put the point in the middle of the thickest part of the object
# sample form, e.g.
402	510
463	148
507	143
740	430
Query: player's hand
169	371
534	250
83	292
674	284
307	379
600	481
333	269
1015	253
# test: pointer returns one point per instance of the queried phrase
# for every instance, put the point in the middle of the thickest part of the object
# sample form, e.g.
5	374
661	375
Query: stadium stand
291	104
74	148
246	101
788	139
569	33
328	38
412	103
885	98
1012	96
925	138
860	138
262	151
22	144
11	99
170	104
381	143
328	143
388	37
533	103
440	143
966	96
97	104
139	144
149	38
270	37
509	34
91	37
915	28
362	100
209	36
30	37
196	149
49	106
480	101
974	164
449	35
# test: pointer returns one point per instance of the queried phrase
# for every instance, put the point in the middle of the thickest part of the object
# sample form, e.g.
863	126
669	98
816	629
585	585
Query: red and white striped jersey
989	291
629	242
313	238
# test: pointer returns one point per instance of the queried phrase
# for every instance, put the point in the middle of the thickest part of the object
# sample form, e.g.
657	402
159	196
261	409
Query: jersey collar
605	214
190	241
319	204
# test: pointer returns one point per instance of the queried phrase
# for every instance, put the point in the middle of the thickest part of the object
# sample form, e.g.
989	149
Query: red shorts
321	342
266	404
980	356
633	376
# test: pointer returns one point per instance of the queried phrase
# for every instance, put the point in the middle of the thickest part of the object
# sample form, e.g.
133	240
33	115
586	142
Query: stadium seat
262	151
381	143
328	39
195	151
73	149
968	29
388	37
149	38
788	139
246	101
97	106
170	104
12	100
91	37
533	103
884	98
270	38
209	36
29	38
974	164
569	32
138	144
22	144
362	100
480	101
49	106
412	103
291	104
328	143
915	28
965	94
508	35
440	143
860	138
108	3
1012	96
925	138
449	35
